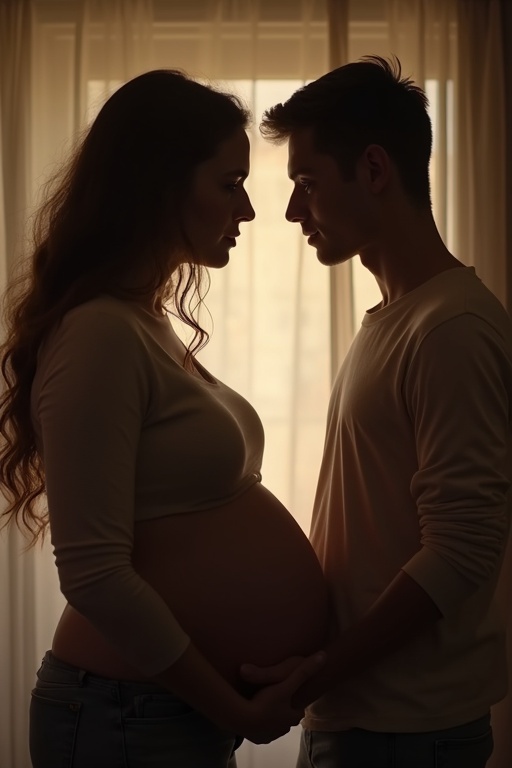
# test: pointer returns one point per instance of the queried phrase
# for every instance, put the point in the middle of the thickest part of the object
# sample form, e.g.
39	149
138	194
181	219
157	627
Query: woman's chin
215	260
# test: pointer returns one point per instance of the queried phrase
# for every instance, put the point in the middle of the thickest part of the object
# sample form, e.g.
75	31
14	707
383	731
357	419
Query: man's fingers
304	671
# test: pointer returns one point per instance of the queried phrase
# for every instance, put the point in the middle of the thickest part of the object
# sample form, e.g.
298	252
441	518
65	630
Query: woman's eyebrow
239	173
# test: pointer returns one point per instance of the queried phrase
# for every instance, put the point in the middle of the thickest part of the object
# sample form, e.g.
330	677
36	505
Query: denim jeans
466	746
79	720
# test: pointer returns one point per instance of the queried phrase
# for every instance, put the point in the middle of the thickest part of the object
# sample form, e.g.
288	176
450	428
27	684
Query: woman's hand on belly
316	683
261	677
272	712
265	717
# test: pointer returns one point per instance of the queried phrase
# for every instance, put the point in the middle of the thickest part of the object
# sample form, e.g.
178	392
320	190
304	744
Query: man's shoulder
457	294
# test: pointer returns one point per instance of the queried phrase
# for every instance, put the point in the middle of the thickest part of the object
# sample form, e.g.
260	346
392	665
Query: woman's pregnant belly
242	579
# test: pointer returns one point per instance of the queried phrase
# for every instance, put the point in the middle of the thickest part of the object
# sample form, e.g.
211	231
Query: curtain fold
481	150
114	42
15	84
340	276
422	33
480	142
17	616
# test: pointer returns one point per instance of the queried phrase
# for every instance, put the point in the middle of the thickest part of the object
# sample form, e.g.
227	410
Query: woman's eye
232	186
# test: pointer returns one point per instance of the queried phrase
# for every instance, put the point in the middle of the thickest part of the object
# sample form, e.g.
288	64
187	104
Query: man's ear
376	165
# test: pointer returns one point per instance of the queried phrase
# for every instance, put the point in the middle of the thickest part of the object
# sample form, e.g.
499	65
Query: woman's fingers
273	712
277	673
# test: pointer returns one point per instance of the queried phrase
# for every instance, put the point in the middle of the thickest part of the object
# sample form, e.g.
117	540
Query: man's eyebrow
304	171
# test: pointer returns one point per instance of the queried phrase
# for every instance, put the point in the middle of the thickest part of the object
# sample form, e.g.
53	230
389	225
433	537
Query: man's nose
294	211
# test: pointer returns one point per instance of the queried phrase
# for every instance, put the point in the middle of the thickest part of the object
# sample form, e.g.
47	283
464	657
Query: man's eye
306	185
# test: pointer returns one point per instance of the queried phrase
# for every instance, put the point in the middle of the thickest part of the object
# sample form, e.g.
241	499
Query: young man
410	518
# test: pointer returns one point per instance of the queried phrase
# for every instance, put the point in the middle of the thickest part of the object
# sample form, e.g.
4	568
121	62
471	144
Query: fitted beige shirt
127	434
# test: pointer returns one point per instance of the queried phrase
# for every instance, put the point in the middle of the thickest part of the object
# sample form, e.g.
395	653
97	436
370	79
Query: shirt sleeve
89	406
457	393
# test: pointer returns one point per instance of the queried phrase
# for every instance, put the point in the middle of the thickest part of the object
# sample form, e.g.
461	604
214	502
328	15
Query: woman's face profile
218	202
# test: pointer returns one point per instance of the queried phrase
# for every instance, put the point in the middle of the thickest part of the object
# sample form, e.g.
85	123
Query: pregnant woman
177	564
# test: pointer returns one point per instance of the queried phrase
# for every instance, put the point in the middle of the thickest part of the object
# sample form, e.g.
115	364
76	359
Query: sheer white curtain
341	277
22	608
15	21
481	213
58	62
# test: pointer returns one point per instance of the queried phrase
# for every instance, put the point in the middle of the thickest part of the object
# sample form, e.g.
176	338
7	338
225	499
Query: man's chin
331	258
328	259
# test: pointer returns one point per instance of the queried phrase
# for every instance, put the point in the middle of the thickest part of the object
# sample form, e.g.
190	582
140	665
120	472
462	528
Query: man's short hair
362	103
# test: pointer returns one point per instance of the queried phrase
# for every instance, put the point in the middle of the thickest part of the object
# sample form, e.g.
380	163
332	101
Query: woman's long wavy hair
114	208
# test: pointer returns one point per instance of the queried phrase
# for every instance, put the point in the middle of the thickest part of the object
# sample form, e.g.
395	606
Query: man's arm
403	611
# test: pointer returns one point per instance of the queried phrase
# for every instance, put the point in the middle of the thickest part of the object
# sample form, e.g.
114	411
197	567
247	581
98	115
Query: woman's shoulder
102	328
102	318
105	308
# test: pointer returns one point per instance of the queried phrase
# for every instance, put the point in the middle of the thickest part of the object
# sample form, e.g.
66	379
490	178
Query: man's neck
407	255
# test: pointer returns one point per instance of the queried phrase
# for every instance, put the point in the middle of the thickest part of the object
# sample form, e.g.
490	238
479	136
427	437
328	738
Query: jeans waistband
63	672
57	671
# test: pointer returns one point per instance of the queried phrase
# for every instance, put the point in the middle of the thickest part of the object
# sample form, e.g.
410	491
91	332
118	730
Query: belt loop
81	674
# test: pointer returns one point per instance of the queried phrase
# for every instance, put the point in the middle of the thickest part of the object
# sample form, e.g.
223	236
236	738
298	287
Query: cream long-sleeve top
127	434
416	476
